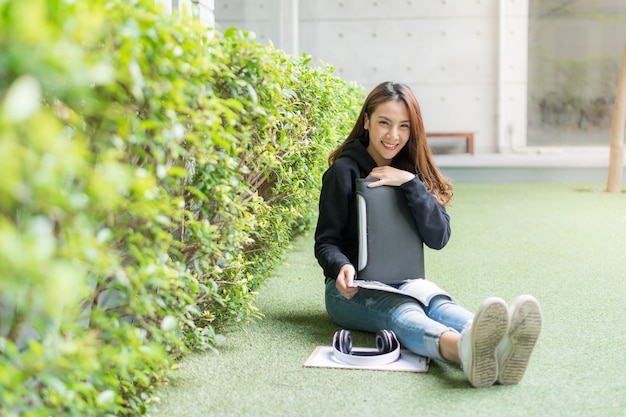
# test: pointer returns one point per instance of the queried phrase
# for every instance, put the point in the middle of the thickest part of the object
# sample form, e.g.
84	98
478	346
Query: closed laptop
390	248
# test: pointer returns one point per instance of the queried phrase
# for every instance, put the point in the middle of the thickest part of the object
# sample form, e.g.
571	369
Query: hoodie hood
357	151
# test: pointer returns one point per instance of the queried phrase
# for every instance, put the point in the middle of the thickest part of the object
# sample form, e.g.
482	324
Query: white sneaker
478	343
516	347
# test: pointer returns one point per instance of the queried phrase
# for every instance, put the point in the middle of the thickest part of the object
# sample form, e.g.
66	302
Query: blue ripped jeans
418	327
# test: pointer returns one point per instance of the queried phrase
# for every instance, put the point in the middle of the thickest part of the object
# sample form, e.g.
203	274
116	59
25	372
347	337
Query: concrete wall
205	12
202	9
466	60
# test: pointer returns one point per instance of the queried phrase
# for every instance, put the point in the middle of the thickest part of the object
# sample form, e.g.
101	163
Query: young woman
388	143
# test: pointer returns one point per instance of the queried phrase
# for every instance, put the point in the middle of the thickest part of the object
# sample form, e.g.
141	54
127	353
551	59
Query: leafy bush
153	174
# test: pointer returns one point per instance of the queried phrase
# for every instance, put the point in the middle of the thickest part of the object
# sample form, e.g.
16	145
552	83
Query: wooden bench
469	138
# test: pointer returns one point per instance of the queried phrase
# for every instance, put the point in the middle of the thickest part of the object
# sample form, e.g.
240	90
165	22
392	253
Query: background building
522	75
201	9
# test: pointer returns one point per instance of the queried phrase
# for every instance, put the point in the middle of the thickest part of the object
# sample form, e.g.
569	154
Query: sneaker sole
490	325
524	331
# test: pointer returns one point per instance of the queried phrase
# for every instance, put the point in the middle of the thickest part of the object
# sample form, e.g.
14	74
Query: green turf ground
563	243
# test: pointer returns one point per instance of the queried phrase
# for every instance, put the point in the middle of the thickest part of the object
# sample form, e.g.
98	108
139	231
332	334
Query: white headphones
386	342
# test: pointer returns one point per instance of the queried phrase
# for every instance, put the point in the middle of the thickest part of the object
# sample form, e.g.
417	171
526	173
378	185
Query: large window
574	56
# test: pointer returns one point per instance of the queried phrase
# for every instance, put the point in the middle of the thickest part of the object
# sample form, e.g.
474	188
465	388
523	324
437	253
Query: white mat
323	357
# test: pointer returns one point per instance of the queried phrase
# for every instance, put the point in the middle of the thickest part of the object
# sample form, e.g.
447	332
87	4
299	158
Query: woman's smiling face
389	131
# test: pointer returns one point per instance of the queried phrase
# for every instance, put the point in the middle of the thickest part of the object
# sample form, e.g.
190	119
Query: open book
427	289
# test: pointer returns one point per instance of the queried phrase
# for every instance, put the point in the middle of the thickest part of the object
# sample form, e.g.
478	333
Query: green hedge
153	174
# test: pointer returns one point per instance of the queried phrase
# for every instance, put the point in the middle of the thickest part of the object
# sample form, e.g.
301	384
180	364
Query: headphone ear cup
344	340
384	341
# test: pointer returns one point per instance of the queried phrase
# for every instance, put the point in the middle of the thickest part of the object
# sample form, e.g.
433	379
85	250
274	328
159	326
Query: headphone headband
386	342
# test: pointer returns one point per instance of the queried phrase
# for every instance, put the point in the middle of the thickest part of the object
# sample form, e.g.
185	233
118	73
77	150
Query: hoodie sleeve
333	233
431	218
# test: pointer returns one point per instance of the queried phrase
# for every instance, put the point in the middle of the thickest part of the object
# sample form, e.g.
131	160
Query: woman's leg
438	304
371	311
449	312
475	346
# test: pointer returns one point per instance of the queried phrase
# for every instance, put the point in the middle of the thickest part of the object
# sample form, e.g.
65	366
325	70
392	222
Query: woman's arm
432	220
332	234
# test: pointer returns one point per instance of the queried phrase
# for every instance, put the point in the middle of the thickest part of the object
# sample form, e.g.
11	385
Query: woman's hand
344	281
387	175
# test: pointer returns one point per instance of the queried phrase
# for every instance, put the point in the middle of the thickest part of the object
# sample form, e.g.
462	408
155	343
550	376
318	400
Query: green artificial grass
563	243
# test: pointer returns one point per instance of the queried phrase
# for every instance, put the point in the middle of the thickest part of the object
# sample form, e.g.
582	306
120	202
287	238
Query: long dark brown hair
416	156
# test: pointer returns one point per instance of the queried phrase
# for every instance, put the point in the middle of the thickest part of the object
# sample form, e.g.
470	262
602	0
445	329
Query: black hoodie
336	235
